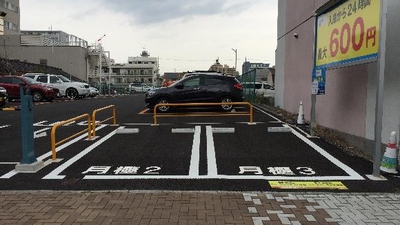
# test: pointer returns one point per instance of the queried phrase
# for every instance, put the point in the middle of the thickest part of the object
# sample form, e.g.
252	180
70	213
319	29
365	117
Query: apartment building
138	69
9	17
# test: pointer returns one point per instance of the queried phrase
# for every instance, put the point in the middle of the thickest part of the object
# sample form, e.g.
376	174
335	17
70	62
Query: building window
43	62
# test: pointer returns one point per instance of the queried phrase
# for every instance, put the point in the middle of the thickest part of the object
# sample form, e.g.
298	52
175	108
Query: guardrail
109	118
250	113
54	128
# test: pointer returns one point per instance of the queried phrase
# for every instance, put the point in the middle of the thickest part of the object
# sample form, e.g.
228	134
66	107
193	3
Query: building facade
51	48
248	66
9	17
140	69
262	71
225	69
348	106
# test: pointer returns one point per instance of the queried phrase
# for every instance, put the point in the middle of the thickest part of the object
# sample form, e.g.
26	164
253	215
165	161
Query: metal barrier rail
250	113
54	128
109	118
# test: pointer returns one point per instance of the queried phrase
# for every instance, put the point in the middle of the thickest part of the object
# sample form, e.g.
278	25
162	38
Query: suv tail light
238	86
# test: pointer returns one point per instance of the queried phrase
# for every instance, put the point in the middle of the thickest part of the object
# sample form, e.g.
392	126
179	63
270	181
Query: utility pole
235	50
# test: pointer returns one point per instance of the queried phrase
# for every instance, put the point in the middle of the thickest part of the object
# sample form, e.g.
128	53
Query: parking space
191	153
237	151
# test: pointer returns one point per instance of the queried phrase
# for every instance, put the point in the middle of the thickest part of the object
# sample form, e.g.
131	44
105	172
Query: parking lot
213	152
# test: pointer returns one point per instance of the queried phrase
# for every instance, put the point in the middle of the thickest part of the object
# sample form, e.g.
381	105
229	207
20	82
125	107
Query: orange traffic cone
389	158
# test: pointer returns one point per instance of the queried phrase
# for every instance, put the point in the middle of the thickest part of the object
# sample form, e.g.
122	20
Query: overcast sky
185	35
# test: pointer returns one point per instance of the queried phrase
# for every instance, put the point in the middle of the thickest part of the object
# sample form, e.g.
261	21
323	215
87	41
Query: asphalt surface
216	152
214	169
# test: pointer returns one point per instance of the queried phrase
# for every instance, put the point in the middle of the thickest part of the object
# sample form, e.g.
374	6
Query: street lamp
235	50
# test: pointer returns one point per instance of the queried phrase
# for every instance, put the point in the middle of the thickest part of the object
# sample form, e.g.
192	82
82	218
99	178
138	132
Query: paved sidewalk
170	207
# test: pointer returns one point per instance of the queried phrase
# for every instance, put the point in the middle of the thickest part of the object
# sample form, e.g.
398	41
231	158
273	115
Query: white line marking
259	109
40	123
230	130
5	126
205	123
136	124
211	159
195	159
353	174
40	133
182	130
9	163
279	129
251	123
55	173
128	131
48	154
226	177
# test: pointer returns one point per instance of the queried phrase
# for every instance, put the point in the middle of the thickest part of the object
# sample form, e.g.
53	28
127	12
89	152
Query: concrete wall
349	103
280	56
71	59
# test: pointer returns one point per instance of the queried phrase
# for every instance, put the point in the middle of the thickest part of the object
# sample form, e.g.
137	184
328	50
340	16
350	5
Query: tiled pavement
164	207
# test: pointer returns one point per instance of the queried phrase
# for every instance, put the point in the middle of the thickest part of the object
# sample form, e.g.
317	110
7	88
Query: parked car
66	87
139	87
93	92
3	96
198	87
260	88
39	92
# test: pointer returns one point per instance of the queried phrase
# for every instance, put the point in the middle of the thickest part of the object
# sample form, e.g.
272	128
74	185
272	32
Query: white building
139	69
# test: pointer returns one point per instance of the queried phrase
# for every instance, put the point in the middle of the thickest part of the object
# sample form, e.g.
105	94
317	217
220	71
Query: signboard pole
380	92
313	120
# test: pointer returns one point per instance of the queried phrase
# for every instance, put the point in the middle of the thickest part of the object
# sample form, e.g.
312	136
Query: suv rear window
42	79
213	81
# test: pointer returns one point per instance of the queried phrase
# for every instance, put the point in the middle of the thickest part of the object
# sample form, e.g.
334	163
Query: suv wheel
226	99
72	93
37	96
163	108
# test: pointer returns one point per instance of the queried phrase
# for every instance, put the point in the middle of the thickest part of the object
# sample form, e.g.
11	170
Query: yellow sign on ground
348	33
308	185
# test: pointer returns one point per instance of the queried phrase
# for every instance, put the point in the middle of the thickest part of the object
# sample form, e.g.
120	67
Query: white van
261	88
139	87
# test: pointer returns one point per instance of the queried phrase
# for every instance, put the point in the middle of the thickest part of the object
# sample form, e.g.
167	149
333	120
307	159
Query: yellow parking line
143	111
8	109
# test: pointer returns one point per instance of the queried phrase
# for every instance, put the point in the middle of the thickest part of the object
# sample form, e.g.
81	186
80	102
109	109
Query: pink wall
344	105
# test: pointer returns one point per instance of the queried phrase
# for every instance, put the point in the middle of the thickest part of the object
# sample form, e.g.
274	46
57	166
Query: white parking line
211	159
55	173
195	158
213	170
48	154
353	174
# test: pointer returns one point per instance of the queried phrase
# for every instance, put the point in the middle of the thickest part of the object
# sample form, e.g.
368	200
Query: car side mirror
179	86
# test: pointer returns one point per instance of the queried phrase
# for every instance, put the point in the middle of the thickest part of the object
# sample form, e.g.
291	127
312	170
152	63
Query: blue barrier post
28	163
28	153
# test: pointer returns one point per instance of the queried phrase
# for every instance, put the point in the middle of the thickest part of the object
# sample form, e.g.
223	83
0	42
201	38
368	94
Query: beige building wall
71	59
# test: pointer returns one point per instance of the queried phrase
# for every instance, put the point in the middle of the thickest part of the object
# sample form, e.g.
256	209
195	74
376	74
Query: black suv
197	87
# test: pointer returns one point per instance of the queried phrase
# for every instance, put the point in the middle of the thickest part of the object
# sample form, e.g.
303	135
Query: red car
38	91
